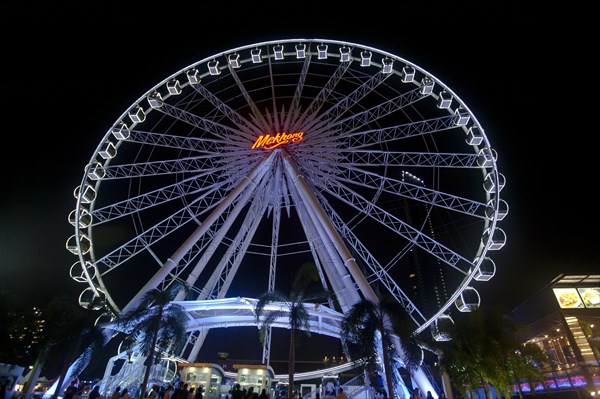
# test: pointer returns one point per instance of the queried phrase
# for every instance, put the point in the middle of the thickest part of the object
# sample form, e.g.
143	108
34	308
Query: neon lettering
269	142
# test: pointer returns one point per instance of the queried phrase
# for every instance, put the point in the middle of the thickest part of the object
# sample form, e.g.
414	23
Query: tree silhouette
367	322
156	325
292	306
83	336
485	350
68	328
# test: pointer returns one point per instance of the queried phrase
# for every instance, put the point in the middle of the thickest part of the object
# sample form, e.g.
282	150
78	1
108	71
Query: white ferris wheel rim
90	273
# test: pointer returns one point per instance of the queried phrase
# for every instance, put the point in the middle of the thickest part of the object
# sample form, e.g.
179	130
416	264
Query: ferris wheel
239	167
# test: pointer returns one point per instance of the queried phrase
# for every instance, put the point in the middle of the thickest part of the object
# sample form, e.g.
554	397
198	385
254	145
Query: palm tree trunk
150	358
531	386
35	372
65	367
148	363
291	365
389	378
518	385
487	390
71	354
446	384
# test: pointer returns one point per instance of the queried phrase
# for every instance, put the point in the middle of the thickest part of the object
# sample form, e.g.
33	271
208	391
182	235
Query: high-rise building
26	333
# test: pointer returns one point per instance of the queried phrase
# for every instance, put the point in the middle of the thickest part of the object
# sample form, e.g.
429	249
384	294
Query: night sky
72	68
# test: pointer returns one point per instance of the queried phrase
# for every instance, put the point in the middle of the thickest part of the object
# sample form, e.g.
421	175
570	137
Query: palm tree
485	350
292	306
37	368
156	325
520	360
526	363
367	322
84	333
474	355
68	328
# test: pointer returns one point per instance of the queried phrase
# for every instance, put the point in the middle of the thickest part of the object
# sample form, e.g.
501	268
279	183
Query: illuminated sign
578	297
269	142
568	298
590	297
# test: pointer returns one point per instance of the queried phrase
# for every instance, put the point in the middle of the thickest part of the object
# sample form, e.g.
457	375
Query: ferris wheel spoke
166	167
411	159
294	110
408	232
312	110
230	113
203	182
375	181
200	145
201	205
346	292
256	116
367	138
207	248
377	271
229	264
345	103
222	134
360	119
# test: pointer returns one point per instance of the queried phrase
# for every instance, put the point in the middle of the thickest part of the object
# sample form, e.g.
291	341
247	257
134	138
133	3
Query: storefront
258	376
207	376
564	321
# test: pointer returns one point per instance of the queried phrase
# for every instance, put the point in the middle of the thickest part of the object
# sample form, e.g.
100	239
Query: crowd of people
416	394
181	391
247	393
184	391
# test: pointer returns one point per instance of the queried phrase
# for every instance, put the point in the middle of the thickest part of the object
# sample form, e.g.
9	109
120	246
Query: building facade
564	320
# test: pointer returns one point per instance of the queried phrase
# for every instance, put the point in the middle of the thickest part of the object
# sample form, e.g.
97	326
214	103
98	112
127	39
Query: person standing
341	394
183	392
177	381
116	394
70	391
416	394
95	393
237	392
4	387
330	390
125	394
429	395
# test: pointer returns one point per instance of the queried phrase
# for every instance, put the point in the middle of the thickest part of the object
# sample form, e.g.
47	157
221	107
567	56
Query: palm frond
305	276
268	321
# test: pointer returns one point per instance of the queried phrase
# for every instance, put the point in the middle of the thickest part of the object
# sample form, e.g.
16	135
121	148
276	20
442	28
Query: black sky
72	68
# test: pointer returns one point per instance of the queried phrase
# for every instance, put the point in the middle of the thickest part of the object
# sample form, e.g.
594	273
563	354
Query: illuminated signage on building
590	297
578	297
269	142
568	298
